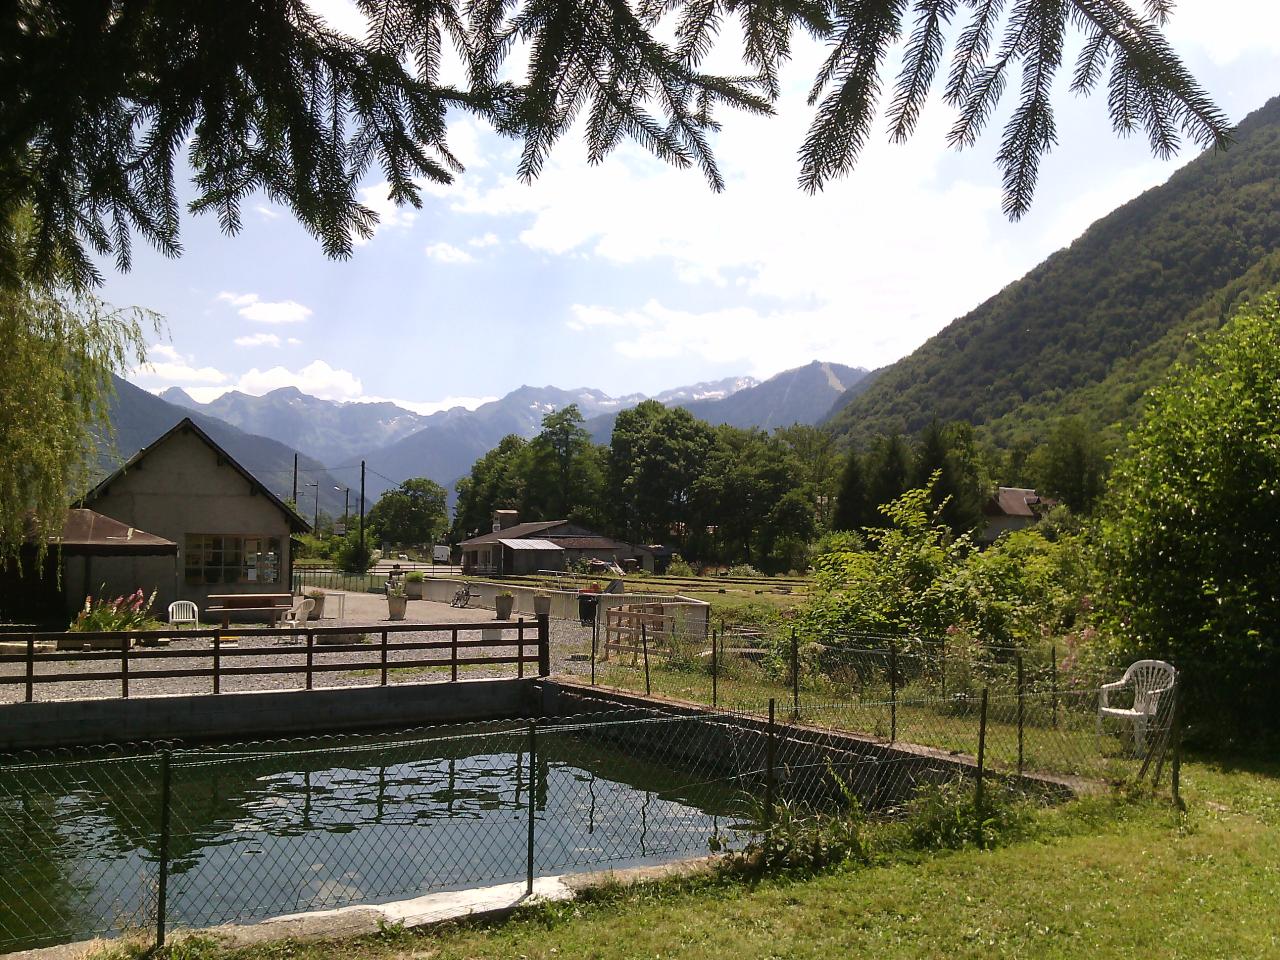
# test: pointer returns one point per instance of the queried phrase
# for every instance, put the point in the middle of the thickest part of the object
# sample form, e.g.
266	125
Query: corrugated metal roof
527	544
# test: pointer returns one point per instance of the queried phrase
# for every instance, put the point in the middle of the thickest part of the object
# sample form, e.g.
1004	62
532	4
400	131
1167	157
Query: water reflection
260	835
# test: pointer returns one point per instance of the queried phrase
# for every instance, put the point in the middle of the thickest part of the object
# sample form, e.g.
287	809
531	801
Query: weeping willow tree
60	350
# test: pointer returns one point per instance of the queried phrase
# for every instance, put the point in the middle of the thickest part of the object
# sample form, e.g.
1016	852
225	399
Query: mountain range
264	432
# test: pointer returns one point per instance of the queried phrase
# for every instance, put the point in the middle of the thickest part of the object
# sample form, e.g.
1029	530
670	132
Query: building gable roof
516	531
187	425
1017	502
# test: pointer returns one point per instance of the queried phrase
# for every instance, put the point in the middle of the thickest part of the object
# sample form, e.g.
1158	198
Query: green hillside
1089	329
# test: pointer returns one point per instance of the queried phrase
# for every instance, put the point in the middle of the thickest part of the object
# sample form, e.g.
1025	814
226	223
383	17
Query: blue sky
633	276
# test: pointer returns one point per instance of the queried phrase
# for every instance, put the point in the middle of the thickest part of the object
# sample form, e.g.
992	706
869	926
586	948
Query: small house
513	548
1012	508
232	532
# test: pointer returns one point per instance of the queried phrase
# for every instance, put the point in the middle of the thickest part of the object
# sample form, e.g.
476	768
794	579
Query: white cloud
485	240
1226	31
169	367
258	340
316	378
266	213
252	307
447	253
293	342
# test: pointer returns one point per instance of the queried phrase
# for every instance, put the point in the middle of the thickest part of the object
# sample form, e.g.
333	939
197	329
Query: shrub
943	816
1191	524
679	567
744	570
121	613
415	576
801	839
351	557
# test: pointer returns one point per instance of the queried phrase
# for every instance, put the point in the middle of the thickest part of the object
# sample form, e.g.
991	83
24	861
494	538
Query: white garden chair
182	613
298	613
1149	679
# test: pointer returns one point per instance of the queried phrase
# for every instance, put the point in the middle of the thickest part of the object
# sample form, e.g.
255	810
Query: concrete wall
179	488
880	774
564	603
226	716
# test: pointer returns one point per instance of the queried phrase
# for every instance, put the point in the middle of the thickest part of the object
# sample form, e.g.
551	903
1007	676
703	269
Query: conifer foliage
104	98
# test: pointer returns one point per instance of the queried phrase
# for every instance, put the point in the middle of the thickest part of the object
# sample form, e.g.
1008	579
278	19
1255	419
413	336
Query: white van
440	554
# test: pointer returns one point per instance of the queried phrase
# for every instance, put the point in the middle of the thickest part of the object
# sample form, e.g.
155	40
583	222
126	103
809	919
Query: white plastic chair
182	613
1150	679
298	613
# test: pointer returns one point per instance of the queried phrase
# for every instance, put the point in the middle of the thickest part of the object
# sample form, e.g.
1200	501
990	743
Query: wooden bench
274	605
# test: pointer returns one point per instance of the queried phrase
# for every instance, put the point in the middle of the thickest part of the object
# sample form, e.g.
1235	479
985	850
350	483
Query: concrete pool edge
414	913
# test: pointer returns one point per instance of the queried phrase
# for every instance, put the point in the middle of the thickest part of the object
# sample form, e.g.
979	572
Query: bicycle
462	597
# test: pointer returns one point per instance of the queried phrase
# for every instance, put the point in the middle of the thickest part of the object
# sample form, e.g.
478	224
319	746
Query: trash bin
587	603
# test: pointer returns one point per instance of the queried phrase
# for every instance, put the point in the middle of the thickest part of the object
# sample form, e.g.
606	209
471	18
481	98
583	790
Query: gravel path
367	611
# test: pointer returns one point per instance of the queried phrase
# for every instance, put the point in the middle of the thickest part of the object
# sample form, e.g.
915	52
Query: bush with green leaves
917	581
1191	528
351	556
946	816
679	567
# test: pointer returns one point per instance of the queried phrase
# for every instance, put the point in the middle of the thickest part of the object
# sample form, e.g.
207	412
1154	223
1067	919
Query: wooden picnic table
275	605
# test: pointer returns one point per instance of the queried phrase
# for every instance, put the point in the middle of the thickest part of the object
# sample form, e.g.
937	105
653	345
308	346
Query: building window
214	558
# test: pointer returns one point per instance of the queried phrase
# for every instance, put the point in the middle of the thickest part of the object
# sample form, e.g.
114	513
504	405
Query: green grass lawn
1071	747
1106	878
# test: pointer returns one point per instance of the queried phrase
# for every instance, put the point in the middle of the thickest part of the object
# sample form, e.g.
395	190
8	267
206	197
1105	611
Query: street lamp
315	527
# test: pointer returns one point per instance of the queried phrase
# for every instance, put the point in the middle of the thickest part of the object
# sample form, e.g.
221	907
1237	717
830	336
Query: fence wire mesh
100	844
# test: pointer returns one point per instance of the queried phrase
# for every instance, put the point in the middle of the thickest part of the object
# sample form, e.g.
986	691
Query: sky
632	276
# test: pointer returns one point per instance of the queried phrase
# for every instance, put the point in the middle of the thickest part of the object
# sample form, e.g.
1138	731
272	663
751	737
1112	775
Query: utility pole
295	481
362	508
315	528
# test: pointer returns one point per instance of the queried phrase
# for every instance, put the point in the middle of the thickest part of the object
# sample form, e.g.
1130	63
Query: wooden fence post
544	645
310	655
31	667
383	656
520	649
124	667
217	661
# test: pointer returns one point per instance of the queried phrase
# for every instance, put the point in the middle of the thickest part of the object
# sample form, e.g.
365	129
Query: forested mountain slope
1086	330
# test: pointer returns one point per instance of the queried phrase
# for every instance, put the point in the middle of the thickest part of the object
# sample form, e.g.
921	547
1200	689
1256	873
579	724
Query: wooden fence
455	644
657	626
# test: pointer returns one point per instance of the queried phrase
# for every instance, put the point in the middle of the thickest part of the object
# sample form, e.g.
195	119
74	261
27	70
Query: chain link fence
96	843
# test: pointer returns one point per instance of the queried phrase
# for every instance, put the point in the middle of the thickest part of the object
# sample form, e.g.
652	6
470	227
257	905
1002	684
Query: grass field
1106	878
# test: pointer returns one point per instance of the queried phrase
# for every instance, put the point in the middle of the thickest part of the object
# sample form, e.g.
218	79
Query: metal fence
102	843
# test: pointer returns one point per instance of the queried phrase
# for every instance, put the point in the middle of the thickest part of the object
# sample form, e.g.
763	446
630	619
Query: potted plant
413	584
317	603
397	601
503	602
542	604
